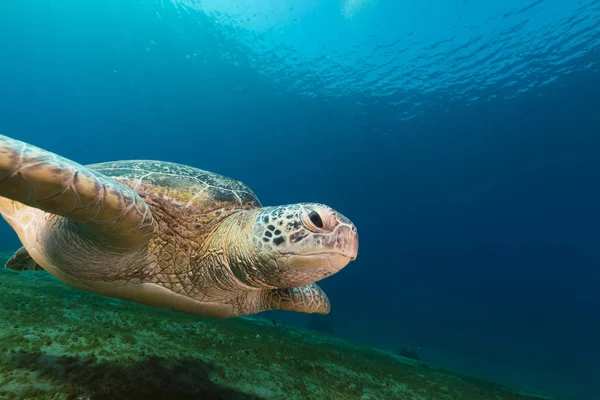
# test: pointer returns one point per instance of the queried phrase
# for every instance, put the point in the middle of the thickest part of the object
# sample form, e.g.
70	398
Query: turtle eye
315	218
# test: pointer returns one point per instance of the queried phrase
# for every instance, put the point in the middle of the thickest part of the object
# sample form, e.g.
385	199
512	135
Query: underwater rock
410	353
57	342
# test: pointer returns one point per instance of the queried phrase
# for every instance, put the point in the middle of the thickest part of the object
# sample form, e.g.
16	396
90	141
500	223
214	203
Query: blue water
460	136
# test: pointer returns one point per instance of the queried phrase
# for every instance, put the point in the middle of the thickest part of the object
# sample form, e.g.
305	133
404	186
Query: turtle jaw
295	270
328	261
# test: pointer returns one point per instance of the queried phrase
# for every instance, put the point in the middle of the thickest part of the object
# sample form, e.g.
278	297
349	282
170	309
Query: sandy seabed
57	342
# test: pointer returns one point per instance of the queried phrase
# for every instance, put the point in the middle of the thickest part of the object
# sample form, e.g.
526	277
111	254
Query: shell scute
190	187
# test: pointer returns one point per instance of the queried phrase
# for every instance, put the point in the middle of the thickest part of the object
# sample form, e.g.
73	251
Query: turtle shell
187	186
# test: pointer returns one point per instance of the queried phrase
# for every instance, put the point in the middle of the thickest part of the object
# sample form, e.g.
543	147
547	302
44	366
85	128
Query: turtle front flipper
43	180
22	261
305	299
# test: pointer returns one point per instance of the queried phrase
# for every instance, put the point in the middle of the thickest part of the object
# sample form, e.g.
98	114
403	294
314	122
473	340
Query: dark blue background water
461	137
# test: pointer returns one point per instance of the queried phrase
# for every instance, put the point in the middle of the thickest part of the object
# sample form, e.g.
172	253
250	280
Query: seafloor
60	343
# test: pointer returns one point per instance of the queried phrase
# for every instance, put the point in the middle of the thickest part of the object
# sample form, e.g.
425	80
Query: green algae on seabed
57	342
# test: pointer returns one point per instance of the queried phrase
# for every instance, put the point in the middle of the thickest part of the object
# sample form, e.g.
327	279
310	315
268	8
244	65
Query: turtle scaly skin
169	235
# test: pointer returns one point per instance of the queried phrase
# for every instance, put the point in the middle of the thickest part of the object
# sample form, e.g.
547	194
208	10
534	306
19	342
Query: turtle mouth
331	261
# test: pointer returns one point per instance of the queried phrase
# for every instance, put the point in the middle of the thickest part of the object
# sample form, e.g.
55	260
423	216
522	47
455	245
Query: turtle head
303	243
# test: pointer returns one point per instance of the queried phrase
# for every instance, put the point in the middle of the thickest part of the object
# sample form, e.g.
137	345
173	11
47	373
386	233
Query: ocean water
460	137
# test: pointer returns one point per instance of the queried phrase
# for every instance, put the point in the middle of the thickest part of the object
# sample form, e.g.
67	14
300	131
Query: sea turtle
169	235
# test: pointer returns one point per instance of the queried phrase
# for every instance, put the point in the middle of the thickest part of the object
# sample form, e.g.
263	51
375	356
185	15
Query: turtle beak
346	242
346	238
349	252
352	251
